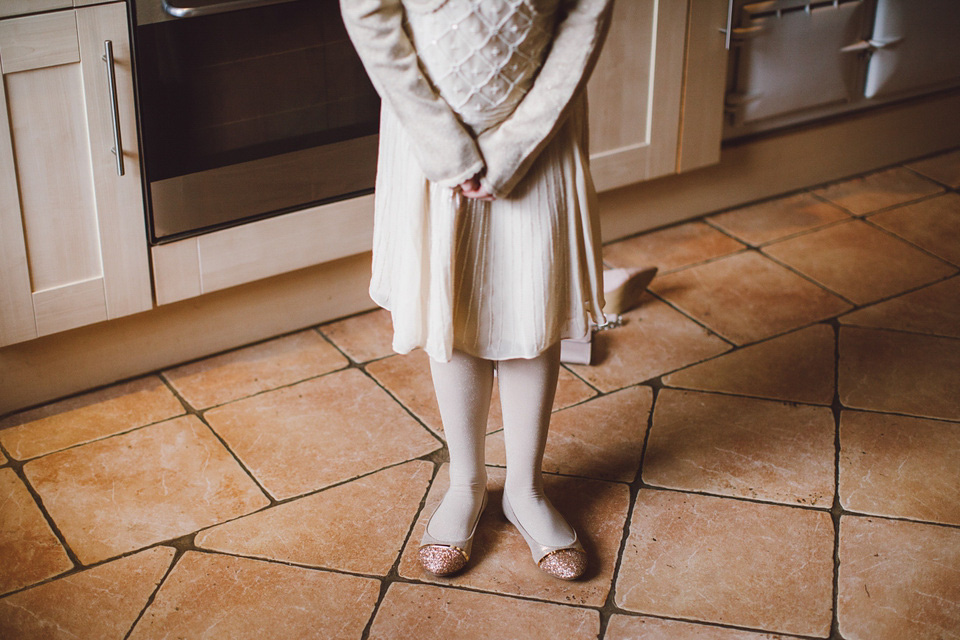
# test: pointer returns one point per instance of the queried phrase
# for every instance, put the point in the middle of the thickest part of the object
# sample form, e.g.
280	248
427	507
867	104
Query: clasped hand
472	188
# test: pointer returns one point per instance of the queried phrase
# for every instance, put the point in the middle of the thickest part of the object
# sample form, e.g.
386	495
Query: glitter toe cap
441	560
566	564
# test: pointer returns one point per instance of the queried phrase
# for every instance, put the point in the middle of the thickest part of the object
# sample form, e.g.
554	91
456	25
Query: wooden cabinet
656	96
72	232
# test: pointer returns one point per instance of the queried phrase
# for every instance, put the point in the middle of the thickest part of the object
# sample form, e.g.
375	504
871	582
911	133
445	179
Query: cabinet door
635	93
72	233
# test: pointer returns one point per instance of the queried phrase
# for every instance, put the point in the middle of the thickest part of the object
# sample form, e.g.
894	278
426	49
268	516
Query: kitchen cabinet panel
635	93
37	42
22	7
704	85
74	241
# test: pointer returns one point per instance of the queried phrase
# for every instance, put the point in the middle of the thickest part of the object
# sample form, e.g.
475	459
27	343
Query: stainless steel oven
248	109
794	61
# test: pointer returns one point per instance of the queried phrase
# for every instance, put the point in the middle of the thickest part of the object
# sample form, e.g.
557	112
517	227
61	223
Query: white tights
527	389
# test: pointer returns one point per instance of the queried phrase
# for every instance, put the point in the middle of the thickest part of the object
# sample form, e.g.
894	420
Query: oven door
249	112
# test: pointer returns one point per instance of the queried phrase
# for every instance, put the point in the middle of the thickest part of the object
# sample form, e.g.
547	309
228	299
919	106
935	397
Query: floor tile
407	378
133	490
898	580
934	310
250	370
899	372
742	447
775	219
747	297
653	340
879	190
900	466
932	224
428	612
602	438
236	598
671	248
29	551
726	561
359	526
101	603
364	337
88	417
944	168
860	262
501	560
623	627
797	367
320	432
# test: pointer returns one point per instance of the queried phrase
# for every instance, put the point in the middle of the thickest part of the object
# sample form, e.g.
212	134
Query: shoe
624	288
446	557
567	562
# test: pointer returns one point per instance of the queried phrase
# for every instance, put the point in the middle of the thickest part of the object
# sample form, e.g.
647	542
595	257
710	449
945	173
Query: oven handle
183	8
114	107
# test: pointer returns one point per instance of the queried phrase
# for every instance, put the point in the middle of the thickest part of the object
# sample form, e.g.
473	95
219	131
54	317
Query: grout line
178	554
908	332
200	415
393	574
910	243
710	331
836	510
77	567
811	280
410	412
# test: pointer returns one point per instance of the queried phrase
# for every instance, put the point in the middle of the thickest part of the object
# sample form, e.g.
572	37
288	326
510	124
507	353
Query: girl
486	241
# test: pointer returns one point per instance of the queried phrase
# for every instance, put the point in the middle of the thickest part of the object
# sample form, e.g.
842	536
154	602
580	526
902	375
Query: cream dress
491	86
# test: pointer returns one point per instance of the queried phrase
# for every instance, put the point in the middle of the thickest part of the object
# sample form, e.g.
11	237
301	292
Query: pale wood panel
16	306
86	3
21	7
119	199
705	78
176	269
630	143
620	85
69	306
664	123
285	243
53	169
38	41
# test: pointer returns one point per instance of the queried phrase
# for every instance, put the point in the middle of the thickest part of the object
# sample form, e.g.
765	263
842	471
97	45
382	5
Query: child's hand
473	189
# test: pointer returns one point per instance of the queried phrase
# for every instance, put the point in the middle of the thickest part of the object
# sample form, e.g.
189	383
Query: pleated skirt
498	280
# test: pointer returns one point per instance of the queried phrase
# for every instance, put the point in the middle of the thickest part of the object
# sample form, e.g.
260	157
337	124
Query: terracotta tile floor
769	447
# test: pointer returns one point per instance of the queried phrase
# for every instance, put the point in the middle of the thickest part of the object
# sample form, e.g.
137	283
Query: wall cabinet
72	234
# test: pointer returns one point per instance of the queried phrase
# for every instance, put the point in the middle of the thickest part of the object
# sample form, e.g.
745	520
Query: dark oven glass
249	113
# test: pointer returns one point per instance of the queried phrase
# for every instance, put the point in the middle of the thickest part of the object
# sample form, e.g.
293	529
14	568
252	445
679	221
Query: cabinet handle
195	8
728	32
114	107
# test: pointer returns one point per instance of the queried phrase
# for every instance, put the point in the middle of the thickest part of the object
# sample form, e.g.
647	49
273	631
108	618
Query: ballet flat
567	562
446	557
